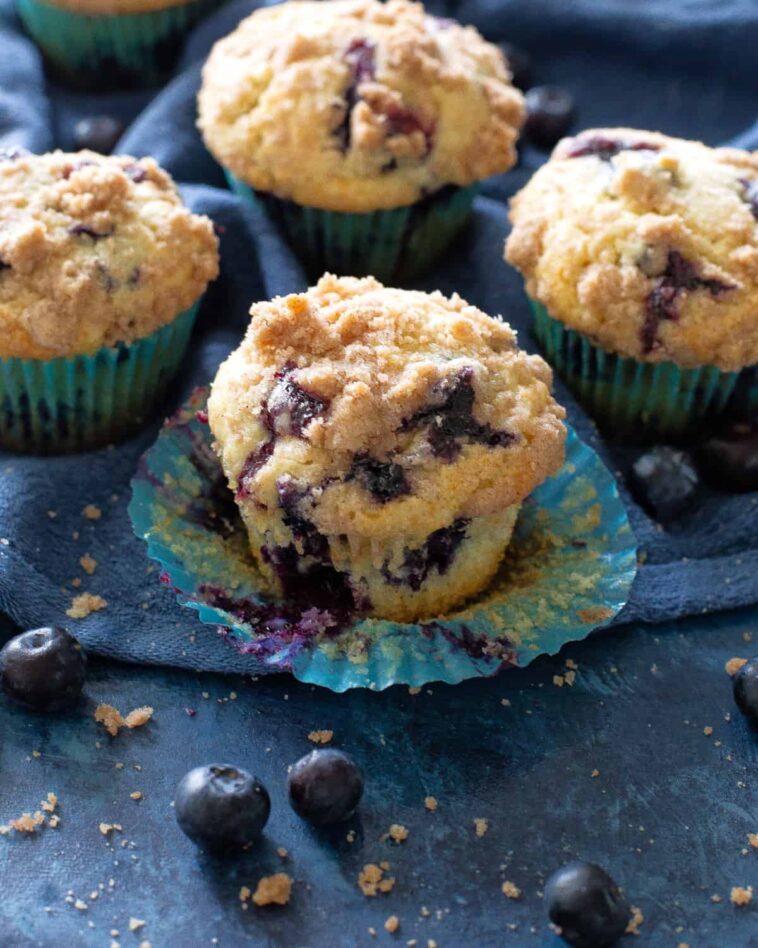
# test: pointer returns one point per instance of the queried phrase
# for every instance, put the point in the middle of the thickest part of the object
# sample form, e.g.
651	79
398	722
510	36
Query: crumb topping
734	665
635	921
741	895
31	822
321	737
430	803
392	924
84	604
356	105
372	880
398	833
113	720
480	826
510	890
273	890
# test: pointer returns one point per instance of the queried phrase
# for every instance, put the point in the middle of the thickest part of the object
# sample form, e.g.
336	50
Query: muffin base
131	50
404	580
393	245
640	401
71	404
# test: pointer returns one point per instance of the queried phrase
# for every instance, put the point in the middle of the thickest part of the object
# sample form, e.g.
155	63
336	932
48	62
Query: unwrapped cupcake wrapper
641	400
70	404
393	245
124	48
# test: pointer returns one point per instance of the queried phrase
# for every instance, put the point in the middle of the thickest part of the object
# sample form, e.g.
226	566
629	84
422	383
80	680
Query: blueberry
43	669
519	64
98	133
325	786
665	483
585	903
729	459
221	808
746	689
549	114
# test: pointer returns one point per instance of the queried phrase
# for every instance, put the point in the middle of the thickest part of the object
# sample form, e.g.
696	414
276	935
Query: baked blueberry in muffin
379	443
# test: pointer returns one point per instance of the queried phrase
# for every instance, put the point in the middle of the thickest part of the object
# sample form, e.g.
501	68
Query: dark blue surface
641	698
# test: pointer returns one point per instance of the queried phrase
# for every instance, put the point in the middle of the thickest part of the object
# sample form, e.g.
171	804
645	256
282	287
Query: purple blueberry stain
450	421
605	147
436	554
475	644
384	480
662	302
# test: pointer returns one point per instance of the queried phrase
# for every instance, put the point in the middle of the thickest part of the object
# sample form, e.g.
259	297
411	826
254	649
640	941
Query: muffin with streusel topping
640	254
101	271
362	126
379	443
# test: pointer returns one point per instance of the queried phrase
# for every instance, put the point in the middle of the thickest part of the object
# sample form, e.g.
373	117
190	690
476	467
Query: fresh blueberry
585	903
325	786
549	114
43	669
665	482
221	808
729	459
98	133
519	64
746	689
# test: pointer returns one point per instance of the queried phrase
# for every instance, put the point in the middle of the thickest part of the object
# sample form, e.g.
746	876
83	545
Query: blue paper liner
568	571
393	245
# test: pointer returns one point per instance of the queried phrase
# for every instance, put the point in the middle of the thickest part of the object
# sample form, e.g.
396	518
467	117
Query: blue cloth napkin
687	69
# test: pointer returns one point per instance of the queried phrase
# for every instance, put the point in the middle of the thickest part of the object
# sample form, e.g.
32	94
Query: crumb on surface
281	852
88	564
29	822
734	665
398	832
84	604
635	921
752	838
741	895
92	512
414	690
371	879
106	828
392	924
595	773
510	890
708	730
430	803
480	826
136	795
273	890
321	737
135	924
113	721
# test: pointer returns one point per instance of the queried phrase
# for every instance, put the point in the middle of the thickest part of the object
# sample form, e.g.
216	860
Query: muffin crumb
636	920
273	890
84	604
371	879
392	924
113	721
321	737
510	890
734	665
741	895
480	826
430	803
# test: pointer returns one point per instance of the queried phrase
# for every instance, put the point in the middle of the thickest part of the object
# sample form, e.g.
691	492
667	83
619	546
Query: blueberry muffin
101	268
362	126
111	43
640	254
379	443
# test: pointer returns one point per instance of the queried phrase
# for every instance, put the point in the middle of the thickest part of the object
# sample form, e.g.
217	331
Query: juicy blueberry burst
43	669
221	808
585	903
384	480
325	786
665	482
436	554
290	408
745	689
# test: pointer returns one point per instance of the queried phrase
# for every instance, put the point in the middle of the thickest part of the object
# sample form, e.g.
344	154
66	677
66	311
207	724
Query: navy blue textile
685	68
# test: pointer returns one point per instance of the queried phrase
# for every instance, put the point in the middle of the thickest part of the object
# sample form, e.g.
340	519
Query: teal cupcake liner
394	245
135	49
568	570
70	404
641	400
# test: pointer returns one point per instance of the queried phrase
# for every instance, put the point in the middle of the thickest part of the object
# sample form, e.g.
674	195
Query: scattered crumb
510	890
595	773
708	730
76	582
136	795
92	512
481	826
505	702
281	852
570	677
113	721
570	663
430	803
398	833
716	898
49	804
734	665
558	681
752	838
88	564
321	737
392	924
106	828
84	604
350	836
636	920
413	690
371	879
741	896
135	924
273	890
29	823
81	905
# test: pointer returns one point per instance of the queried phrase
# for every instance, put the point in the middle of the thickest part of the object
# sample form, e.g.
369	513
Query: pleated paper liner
71	404
642	400
393	245
568	571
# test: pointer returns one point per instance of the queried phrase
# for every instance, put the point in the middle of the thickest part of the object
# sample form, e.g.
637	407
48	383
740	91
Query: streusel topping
646	244
394	411
93	251
357	105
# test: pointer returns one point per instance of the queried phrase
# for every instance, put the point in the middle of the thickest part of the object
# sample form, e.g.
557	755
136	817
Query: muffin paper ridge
571	564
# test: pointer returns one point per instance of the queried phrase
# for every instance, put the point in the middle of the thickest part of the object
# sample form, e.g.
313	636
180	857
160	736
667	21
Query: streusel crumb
741	895
113	721
84	604
273	890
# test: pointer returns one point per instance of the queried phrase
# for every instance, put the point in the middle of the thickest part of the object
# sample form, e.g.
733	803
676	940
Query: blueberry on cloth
585	903
325	786
745	689
43	669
